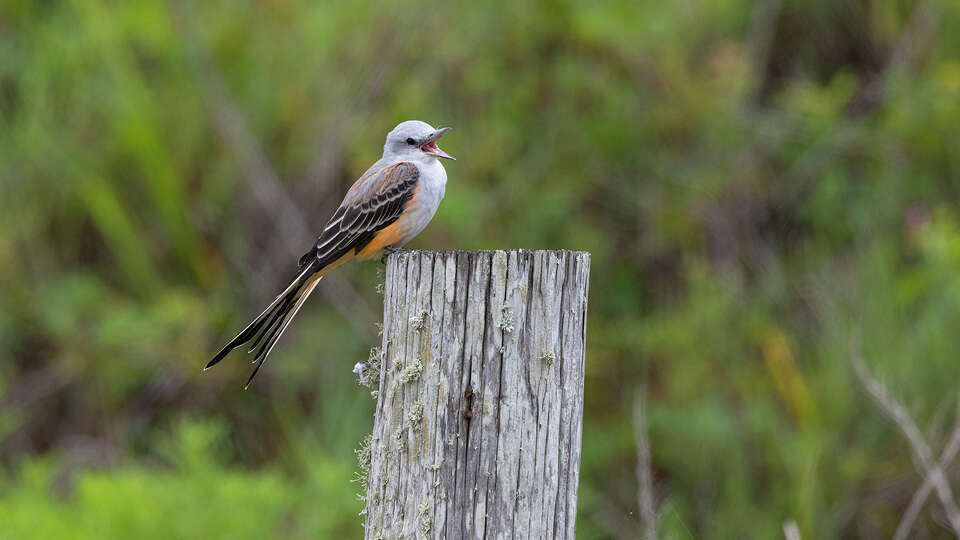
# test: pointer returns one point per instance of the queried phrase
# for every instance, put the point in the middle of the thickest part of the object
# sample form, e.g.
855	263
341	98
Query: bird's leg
389	250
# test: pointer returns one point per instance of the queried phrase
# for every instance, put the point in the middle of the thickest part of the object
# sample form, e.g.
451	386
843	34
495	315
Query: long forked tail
267	328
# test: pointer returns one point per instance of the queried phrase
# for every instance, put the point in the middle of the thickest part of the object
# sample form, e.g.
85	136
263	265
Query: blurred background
770	189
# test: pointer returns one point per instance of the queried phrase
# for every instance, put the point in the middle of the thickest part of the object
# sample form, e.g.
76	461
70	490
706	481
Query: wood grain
480	407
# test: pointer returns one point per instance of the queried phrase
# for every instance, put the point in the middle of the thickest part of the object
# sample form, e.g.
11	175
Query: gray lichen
369	372
411	372
407	375
416	415
419	321
363	467
401	442
548	358
381	278
506	322
425	522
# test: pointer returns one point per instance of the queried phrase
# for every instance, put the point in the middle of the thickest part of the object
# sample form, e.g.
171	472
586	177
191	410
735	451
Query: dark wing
374	202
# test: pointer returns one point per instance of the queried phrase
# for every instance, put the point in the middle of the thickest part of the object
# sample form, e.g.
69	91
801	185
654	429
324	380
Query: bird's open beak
430	147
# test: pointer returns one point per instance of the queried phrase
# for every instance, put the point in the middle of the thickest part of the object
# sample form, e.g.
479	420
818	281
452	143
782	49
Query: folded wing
374	202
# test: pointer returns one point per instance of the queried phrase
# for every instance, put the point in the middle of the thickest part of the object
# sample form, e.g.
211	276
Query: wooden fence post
480	405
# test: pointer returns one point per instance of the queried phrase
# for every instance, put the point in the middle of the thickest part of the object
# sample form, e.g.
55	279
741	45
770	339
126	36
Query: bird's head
414	140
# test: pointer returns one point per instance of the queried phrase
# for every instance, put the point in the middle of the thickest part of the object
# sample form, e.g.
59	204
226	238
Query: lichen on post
480	404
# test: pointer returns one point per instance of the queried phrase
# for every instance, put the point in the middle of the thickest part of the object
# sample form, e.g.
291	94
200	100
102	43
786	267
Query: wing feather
374	202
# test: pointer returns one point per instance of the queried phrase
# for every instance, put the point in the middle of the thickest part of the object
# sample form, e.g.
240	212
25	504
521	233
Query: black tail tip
216	359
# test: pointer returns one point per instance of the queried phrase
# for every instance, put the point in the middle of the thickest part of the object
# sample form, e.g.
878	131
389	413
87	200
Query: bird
385	208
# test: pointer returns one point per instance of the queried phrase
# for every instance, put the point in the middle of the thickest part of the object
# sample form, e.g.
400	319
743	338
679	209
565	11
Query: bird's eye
411	141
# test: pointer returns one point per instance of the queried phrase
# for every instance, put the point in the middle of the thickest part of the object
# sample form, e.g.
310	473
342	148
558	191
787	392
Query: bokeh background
768	188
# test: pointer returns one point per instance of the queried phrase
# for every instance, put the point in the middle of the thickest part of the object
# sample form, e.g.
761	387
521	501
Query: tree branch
645	495
920	497
932	470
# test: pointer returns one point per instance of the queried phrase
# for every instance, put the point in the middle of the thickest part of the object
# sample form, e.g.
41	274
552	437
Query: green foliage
197	499
761	189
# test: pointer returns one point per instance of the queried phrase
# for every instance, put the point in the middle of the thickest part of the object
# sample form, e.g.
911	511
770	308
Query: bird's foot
389	250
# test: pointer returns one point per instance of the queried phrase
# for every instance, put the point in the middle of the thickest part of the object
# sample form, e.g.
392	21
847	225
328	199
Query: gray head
414	140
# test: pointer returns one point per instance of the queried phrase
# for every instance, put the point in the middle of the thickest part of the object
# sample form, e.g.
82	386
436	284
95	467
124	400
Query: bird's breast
426	200
433	178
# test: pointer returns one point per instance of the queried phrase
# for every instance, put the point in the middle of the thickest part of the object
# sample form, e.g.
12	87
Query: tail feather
282	300
271	331
274	319
275	334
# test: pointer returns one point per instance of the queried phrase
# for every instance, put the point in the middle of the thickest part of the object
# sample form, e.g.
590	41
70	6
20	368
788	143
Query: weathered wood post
480	404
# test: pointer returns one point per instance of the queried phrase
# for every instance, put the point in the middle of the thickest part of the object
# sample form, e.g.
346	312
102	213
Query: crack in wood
499	458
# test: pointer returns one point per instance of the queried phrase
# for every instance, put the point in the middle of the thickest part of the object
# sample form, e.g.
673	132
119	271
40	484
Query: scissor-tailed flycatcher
390	204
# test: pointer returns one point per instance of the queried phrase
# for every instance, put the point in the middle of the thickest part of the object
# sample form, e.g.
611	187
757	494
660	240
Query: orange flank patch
392	235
